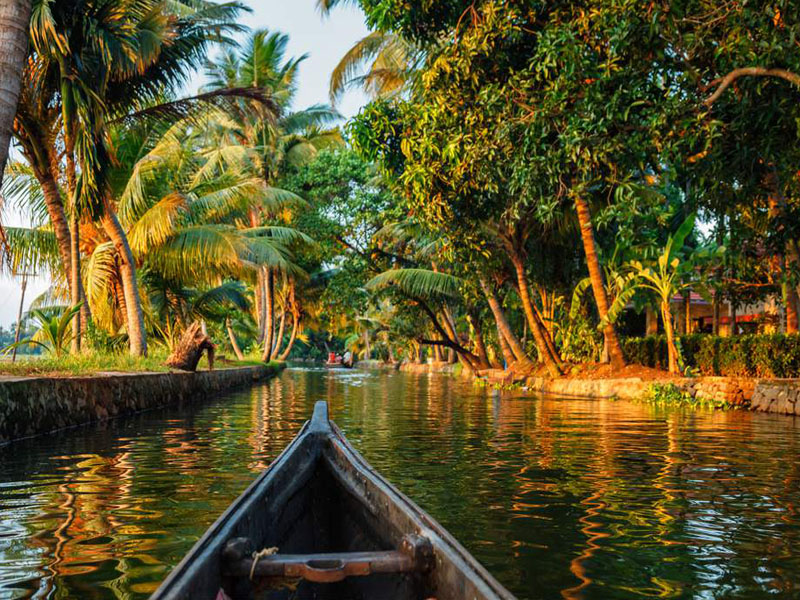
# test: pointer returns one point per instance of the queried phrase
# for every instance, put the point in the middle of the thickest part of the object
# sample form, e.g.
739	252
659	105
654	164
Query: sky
324	39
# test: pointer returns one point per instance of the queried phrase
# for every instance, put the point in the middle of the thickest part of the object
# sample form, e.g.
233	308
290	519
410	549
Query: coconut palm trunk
551	361
58	218
260	304
504	329
269	317
449	326
232	337
75	281
480	345
279	338
367	349
137	335
14	24
505	349
292	337
598	283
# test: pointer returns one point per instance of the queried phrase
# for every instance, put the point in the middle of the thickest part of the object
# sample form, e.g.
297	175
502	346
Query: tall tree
14	18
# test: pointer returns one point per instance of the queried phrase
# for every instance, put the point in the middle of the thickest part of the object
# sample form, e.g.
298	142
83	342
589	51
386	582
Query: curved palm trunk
367	349
130	287
452	357
261	306
504	328
232	337
292	337
505	349
480	346
279	337
14	23
551	361
269	284
598	283
58	217
548	336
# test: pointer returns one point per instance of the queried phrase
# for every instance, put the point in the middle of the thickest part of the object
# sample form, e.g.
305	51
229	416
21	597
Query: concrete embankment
35	405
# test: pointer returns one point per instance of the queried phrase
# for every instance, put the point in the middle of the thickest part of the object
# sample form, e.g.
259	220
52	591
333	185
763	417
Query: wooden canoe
339	365
321	523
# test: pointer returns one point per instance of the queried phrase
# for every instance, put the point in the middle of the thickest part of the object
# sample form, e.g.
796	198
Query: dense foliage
752	355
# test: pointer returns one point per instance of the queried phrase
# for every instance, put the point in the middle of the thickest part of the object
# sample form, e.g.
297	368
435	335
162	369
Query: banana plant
676	269
54	332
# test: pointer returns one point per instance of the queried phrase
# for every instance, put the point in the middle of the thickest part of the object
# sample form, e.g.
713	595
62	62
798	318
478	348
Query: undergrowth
669	394
92	362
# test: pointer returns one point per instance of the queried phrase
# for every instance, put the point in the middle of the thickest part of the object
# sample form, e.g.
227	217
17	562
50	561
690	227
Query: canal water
558	498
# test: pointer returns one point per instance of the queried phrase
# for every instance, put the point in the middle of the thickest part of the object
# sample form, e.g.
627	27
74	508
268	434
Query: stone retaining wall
763	395
35	405
433	367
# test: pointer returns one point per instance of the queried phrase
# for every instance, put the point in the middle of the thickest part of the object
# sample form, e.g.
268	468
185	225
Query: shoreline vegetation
96	363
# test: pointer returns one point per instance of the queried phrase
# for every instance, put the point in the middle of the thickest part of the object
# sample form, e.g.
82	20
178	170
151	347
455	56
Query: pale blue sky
324	39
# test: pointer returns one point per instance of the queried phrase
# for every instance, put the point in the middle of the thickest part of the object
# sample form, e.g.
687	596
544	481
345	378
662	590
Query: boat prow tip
320	420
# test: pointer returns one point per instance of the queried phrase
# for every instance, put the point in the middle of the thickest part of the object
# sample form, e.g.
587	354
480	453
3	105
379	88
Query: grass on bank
93	362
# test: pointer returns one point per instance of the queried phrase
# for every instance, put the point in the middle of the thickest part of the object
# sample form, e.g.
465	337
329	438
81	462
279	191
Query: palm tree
429	290
37	129
266	146
381	63
14	19
598	282
186	212
134	51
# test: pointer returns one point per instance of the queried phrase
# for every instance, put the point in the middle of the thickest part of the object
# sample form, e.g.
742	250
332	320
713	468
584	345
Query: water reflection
559	498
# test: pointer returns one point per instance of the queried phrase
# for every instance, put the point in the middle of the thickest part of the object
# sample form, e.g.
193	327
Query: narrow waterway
558	498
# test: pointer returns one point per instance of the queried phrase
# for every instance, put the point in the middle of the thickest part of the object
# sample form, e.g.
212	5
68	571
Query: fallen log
190	349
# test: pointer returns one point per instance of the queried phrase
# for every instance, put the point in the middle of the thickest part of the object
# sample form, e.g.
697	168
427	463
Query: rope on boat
264	552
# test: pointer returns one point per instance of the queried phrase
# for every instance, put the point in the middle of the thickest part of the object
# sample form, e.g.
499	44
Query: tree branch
440	330
725	82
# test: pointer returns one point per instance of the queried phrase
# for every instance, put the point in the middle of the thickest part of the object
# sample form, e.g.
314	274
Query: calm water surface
558	498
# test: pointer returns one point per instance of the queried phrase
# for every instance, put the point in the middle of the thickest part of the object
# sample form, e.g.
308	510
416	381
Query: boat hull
321	496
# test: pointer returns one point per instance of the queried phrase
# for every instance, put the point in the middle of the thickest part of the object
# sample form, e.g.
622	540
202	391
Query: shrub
669	394
768	355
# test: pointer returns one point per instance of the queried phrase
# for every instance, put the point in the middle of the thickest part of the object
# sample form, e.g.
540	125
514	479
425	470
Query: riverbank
91	363
36	405
779	396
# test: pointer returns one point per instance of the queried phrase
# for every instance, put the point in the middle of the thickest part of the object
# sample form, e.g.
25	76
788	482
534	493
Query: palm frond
156	225
421	283
30	249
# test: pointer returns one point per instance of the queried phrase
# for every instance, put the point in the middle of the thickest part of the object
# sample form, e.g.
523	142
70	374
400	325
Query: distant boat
338	365
321	523
337	361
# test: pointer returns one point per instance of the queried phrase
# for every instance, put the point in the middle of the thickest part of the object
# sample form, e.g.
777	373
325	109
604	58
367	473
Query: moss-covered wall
35	405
